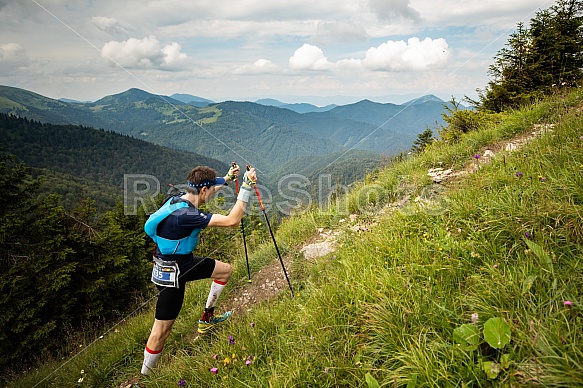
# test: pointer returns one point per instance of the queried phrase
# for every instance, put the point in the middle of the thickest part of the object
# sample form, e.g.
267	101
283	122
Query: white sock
216	289
151	358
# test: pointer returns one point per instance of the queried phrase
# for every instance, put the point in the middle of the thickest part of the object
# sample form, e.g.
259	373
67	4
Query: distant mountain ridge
248	132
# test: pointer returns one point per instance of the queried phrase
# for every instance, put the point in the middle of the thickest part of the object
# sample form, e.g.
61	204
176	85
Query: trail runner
175	228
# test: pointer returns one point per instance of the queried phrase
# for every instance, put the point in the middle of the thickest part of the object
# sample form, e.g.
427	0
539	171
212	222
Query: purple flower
181	383
519	174
216	356
252	324
248	362
477	156
231	340
528	235
475	318
568	303
214	370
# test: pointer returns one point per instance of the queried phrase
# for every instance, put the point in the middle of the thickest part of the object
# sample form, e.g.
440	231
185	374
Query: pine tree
536	60
423	140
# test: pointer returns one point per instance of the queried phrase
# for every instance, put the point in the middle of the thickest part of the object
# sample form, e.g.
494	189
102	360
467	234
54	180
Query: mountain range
275	137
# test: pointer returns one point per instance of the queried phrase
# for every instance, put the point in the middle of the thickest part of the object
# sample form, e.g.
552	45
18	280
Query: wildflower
226	361
215	356
231	340
82	371
214	370
252	324
475	318
248	362
519	174
568	303
495	266
542	178
181	383
528	235
80	380
477	156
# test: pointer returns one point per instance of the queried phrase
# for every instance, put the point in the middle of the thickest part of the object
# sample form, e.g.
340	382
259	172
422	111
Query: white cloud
391	56
172	55
144	53
261	66
108	24
13	55
415	55
309	57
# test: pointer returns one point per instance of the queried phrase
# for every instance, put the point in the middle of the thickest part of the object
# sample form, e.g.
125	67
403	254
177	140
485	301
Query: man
175	228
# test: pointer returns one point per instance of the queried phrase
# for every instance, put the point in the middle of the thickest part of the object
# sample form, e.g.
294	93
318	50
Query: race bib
165	273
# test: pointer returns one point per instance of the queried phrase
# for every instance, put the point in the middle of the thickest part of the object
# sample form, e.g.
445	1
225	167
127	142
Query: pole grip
236	180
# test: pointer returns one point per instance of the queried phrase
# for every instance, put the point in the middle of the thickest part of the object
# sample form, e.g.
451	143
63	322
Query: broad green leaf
497	332
371	381
492	369
467	336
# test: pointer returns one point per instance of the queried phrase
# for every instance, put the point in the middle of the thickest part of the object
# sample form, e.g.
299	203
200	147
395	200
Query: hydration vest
182	246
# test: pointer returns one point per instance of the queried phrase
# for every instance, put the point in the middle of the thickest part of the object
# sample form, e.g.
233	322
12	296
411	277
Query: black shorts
169	298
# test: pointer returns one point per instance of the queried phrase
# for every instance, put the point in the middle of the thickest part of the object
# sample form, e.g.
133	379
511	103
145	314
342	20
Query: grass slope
383	309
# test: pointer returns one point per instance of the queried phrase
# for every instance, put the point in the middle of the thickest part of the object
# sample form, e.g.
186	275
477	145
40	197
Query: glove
245	191
233	172
247	181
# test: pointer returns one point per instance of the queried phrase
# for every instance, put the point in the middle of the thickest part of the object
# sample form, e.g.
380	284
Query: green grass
388	301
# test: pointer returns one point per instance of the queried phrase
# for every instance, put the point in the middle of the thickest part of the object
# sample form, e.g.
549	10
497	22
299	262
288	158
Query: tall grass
505	241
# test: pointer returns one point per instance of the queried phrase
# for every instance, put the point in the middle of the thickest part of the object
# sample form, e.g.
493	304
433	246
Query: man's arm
238	210
232	219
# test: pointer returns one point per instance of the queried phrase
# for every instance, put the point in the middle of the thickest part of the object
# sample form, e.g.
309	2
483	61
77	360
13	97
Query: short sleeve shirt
182	222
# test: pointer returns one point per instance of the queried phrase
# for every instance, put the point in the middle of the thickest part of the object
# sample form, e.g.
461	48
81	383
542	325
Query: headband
217	181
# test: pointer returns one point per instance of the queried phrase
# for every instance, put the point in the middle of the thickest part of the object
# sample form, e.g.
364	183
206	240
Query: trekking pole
272	236
243	229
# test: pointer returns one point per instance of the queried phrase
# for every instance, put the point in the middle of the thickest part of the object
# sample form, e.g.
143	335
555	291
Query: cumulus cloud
13	55
261	66
144	53
414	55
309	57
391	56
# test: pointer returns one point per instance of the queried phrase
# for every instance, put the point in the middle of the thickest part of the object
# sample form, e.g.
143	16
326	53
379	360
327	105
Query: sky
320	52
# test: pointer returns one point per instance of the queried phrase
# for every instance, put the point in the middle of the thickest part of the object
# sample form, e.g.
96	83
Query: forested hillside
84	162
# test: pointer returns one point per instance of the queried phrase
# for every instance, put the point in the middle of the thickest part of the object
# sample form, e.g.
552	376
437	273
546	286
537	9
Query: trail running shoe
204	327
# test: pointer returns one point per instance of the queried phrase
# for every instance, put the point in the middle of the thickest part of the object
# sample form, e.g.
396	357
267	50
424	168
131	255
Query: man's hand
250	178
233	172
